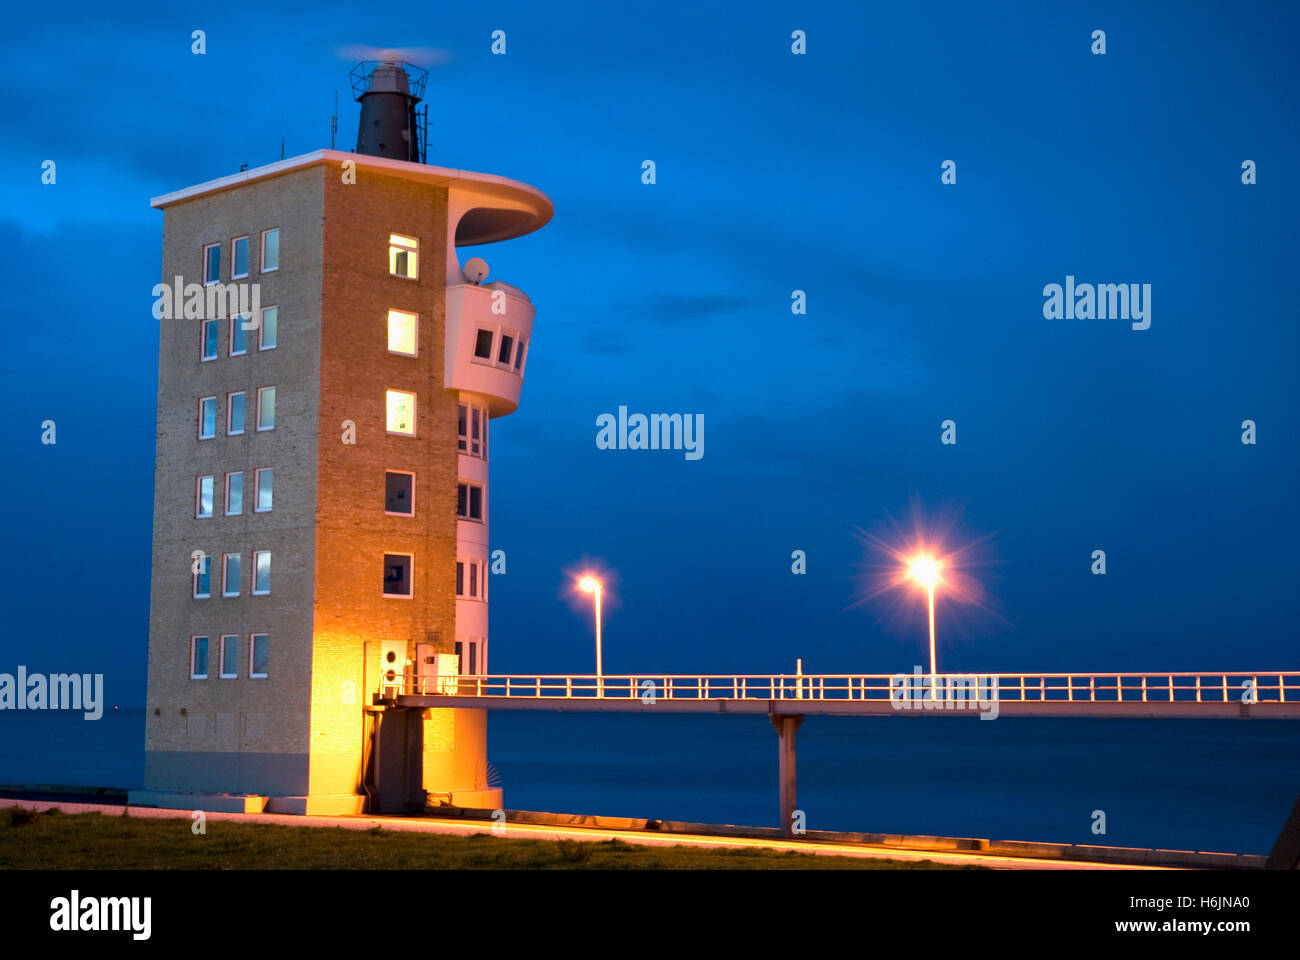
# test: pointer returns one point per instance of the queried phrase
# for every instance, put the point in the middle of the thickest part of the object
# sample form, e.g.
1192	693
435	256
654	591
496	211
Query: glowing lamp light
589	584
925	571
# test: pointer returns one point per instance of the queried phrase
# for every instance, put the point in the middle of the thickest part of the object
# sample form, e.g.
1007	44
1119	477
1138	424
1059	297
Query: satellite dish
476	269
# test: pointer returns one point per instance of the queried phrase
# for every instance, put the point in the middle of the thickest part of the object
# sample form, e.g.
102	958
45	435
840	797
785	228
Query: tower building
328	371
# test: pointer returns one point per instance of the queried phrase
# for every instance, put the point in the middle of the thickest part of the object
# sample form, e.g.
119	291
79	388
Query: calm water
1207	785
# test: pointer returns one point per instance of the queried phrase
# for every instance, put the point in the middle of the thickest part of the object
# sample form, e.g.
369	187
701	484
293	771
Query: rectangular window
483	344
230	575
235	493
507	349
261	572
475	441
212	264
262	489
519	356
234	413
397	574
198	658
259	653
203	579
207	418
460	578
472	422
268	331
229	655
270	250
473	579
238	258
401	332
238	335
461	428
401	412
266	408
399	493
403	256
469	501
203	497
208	336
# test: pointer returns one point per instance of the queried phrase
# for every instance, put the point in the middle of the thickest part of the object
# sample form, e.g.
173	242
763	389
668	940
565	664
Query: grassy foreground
57	841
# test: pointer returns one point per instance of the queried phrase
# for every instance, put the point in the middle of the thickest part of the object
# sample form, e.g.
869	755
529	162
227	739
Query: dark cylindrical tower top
388	95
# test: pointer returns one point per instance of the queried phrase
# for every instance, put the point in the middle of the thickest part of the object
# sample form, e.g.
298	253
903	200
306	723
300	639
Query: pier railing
1248	687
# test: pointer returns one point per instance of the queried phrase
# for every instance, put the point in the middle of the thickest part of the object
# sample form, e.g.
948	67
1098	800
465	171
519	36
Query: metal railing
1267	686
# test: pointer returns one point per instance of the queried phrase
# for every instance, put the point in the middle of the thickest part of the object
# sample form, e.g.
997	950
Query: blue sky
774	173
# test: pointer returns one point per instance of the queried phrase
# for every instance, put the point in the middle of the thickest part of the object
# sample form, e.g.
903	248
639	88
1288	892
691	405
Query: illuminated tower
321	487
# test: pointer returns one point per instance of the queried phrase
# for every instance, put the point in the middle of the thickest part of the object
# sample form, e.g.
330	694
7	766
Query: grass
53	840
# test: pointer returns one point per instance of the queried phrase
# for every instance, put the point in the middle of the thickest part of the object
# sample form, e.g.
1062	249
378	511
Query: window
261	572
519	356
401	333
230	575
208	336
238	258
472	426
399	493
266	408
270	250
507	348
262	489
203	579
268	330
207	418
469	665
212	264
238	335
198	658
234	413
397	574
401	412
483	344
203	497
403	256
460	578
234	493
471	579
229	653
469	501
259	652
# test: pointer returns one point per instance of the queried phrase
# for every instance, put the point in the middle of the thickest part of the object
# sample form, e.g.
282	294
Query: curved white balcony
489	327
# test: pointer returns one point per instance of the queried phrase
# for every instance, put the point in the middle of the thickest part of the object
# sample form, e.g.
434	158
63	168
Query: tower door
426	666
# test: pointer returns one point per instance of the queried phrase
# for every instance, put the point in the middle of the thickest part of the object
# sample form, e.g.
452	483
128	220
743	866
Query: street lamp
925	571
590	584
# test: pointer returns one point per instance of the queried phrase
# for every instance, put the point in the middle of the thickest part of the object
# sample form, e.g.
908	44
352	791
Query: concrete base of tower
491	799
455	759
325	805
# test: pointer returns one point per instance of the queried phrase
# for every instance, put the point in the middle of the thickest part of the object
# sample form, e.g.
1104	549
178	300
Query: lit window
507	348
268	330
198	658
266	408
519	356
230	575
259	653
262	489
234	413
207	417
203	497
401	412
238	335
403	256
401	333
203	579
234	493
469	501
229	655
397	574
261	572
270	250
399	493
483	345
208	337
472	424
238	258
212	263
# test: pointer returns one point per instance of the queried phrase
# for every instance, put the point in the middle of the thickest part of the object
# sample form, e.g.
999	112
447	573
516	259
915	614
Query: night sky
775	173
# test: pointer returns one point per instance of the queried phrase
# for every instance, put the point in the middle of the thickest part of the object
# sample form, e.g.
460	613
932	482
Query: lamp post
591	585
925	571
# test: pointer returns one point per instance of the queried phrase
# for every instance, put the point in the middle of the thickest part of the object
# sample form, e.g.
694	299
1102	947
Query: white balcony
489	329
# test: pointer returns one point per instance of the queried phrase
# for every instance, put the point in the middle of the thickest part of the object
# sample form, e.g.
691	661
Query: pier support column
786	725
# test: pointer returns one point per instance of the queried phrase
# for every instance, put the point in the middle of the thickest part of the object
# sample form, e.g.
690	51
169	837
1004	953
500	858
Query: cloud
674	308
